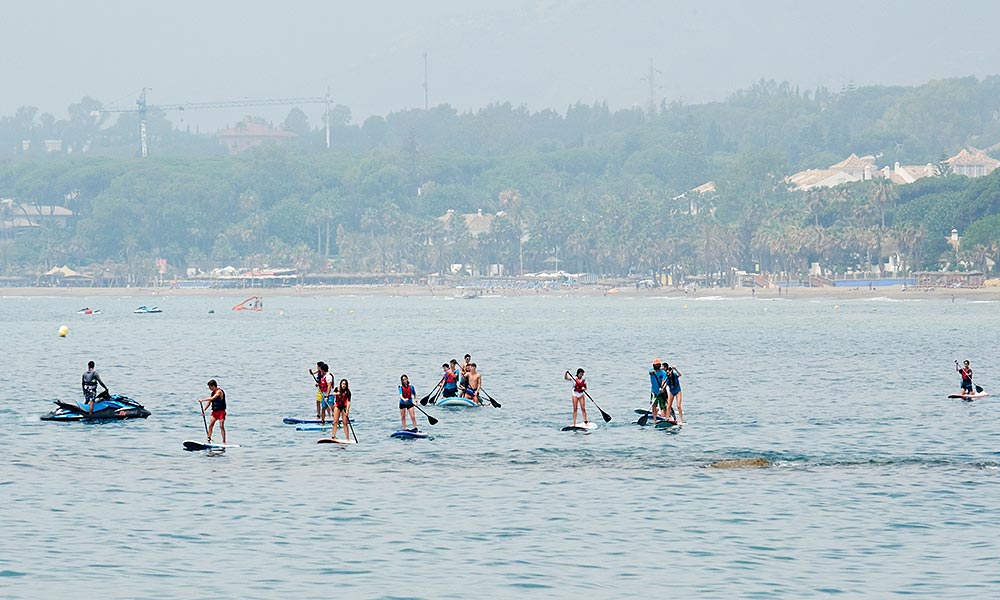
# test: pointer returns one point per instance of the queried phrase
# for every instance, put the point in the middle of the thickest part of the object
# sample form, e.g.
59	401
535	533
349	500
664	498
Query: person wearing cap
658	390
579	394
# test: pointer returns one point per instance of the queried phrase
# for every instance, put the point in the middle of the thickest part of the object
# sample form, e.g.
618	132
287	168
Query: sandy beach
818	293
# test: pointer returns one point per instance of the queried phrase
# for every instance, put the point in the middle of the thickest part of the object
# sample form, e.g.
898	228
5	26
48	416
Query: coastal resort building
705	190
17	216
972	163
476	223
251	132
853	168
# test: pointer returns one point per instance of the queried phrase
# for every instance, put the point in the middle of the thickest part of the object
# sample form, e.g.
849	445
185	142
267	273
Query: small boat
88	311
146	310
113	407
253	303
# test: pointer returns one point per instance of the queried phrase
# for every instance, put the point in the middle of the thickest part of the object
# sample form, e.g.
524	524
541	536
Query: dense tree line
602	191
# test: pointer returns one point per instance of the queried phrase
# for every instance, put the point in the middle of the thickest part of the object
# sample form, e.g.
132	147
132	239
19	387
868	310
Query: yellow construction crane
142	107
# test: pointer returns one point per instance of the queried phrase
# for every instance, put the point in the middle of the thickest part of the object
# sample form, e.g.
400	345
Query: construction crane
143	108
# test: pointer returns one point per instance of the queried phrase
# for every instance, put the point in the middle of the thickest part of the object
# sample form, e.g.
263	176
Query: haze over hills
544	54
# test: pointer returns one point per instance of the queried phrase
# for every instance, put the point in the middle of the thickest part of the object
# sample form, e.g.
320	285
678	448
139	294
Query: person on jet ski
89	383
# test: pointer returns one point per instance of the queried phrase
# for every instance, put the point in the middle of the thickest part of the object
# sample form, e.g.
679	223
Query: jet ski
88	311
107	407
147	310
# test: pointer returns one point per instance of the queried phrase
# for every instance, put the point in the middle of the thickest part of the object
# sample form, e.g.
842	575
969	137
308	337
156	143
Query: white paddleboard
333	441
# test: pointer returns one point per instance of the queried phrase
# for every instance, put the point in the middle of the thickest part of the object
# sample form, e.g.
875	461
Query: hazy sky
542	53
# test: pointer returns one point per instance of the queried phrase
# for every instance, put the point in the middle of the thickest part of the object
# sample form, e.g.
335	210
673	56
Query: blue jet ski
113	407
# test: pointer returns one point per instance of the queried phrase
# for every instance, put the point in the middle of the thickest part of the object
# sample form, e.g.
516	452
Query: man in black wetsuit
89	383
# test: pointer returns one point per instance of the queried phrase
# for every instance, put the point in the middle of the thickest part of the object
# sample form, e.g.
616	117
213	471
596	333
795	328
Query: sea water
880	485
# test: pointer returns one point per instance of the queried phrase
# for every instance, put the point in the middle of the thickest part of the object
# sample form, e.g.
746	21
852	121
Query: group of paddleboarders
461	380
332	398
665	388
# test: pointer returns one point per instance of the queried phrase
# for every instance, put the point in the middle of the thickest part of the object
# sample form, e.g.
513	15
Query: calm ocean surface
882	486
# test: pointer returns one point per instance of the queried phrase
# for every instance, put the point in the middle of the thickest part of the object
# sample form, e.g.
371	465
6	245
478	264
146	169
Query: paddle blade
607	417
643	419
494	403
432	420
979	389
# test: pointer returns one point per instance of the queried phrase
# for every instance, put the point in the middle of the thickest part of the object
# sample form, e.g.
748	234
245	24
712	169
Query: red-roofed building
251	132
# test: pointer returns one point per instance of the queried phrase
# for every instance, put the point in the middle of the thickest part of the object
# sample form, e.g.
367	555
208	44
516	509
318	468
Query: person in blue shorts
674	391
450	380
406	395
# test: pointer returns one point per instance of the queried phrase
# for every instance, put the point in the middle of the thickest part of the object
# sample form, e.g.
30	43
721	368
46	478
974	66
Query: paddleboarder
342	409
966	372
658	390
317	376
89	383
218	401
475	381
450	381
406	395
463	377
674	392
579	394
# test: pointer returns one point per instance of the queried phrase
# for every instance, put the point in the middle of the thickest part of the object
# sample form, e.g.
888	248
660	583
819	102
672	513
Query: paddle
204	421
350	426
431	393
645	417
430	419
606	416
490	398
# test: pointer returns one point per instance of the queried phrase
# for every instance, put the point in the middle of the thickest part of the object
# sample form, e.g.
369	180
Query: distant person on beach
89	383
674	391
406	395
449	380
658	390
218	401
579	394
471	389
966	372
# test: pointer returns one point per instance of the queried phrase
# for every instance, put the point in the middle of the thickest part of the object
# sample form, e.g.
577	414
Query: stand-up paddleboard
406	434
316	427
463	402
293	421
659	419
664	424
969	396
192	445
588	426
333	441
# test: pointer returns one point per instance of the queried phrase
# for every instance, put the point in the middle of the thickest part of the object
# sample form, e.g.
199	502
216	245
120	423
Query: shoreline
407	290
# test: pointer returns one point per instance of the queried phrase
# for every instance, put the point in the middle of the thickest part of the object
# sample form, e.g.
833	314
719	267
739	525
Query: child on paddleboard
579	394
406	395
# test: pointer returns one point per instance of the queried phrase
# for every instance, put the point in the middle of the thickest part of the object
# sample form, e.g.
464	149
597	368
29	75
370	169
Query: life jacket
407	392
449	378
324	385
579	385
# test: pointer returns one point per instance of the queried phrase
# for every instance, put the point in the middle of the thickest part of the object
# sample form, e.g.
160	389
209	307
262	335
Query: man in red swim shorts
218	400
